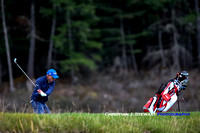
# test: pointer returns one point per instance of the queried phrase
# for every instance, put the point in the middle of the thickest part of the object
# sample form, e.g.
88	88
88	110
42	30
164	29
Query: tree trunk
198	31
175	41
124	57
69	25
1	72
189	47
51	40
12	88
32	44
161	46
134	61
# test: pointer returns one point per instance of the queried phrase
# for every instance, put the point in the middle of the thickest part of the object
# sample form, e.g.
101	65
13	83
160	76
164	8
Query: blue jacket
42	83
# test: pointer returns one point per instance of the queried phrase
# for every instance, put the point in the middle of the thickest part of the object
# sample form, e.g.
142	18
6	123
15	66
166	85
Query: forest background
110	55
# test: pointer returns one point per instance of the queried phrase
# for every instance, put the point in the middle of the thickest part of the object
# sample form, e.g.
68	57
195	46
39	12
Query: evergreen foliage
91	34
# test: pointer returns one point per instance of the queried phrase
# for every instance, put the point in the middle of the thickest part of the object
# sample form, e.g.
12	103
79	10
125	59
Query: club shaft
25	74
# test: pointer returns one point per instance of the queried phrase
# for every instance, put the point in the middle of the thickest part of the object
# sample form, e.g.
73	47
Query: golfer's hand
41	93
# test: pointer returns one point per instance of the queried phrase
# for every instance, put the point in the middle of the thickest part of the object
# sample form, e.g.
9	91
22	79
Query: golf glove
43	94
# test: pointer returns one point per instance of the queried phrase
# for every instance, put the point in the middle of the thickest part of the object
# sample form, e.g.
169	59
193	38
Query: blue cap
52	73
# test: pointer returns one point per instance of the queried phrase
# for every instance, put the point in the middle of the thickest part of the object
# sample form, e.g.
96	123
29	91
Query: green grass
98	123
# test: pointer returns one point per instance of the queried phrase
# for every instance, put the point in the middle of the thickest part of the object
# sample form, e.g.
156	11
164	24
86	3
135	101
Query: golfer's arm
38	86
49	91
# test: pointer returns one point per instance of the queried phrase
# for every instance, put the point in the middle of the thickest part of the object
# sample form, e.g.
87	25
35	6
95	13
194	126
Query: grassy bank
98	123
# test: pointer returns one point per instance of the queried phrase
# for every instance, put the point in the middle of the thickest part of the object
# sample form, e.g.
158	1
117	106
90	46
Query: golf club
15	60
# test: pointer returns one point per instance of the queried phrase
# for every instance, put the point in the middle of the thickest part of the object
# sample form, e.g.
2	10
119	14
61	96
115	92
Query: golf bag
164	98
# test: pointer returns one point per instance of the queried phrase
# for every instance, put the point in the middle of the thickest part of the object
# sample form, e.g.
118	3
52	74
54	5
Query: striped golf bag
164	98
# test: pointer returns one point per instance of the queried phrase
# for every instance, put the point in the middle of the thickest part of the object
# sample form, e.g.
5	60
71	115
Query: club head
15	60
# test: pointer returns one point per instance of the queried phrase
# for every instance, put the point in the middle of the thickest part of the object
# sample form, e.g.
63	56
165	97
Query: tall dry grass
105	93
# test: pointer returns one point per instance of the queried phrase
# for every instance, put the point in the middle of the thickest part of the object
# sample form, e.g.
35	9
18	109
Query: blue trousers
39	108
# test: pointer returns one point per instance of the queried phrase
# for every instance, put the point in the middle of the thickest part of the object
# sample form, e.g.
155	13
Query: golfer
44	87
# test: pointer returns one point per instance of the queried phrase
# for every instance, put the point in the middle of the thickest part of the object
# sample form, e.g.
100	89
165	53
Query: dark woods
109	46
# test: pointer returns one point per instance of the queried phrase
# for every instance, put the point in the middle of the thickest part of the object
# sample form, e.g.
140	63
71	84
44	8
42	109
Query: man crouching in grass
44	87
